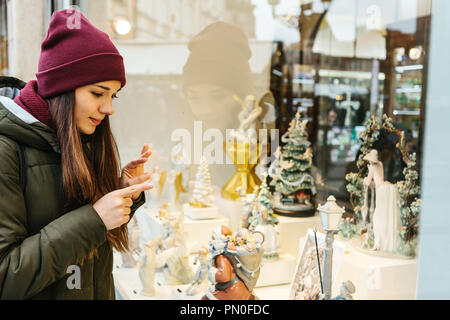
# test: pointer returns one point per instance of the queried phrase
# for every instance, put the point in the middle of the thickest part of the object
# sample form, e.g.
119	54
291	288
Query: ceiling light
122	25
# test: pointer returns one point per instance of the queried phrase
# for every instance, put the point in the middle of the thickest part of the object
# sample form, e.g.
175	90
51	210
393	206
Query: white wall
434	232
26	19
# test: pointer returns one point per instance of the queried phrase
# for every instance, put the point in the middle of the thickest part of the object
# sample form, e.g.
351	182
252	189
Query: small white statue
248	201
128	261
347	289
177	269
165	251
386	217
147	265
349	106
260	224
159	180
201	274
249	120
174	253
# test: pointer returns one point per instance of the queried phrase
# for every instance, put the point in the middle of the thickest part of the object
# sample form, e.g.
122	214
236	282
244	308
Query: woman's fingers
140	179
127	202
146	148
146	154
132	189
136	162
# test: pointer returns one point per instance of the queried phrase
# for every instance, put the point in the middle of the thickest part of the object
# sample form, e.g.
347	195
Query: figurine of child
128	260
201	272
147	264
347	289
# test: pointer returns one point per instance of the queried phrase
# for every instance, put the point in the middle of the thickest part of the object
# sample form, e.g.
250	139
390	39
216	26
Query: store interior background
336	61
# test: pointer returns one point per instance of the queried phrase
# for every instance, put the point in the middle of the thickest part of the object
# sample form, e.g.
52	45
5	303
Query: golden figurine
246	144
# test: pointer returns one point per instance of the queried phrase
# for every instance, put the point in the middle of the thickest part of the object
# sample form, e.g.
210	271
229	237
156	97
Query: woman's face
92	103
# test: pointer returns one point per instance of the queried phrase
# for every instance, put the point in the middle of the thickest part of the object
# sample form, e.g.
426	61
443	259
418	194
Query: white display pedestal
232	209
277	272
377	278
200	213
198	232
292	229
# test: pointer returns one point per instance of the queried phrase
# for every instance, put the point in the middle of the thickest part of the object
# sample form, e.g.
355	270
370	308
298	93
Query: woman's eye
97	94
115	96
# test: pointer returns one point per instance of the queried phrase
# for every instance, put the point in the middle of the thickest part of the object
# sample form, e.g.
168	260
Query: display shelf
406	112
275	276
416	89
375	277
128	285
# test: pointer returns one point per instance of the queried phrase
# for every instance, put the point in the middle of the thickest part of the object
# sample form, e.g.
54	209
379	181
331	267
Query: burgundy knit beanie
74	53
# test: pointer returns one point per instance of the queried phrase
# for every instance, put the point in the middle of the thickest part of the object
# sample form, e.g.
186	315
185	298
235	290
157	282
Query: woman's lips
95	121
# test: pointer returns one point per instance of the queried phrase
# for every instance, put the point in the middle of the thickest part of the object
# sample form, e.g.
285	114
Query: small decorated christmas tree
262	220
264	199
202	205
202	195
291	173
409	208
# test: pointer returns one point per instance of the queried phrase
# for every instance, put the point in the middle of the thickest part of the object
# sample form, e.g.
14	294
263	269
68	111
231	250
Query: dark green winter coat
38	243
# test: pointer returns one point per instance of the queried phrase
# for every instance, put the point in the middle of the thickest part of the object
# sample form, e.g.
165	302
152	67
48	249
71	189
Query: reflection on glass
335	62
217	68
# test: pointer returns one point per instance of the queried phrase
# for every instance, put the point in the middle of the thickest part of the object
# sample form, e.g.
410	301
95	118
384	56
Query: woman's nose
107	108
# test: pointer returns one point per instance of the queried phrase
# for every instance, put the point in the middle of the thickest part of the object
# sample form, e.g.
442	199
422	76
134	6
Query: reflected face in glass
214	105
93	103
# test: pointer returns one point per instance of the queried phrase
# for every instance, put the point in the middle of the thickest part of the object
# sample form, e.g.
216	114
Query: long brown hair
90	163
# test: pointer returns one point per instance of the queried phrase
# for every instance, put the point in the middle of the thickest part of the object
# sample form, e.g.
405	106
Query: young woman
64	203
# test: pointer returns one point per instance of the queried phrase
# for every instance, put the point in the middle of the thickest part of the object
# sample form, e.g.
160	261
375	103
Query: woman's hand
133	172
114	207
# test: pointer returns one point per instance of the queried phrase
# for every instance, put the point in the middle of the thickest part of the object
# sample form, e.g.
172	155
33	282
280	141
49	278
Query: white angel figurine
259	223
249	120
254	111
386	218
248	201
201	274
147	264
134	233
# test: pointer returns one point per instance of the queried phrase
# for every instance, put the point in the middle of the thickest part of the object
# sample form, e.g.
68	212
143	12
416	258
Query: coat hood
19	125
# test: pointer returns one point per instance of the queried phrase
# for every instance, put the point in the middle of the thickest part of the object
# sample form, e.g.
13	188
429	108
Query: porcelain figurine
347	289
248	201
128	259
386	217
235	264
201	274
147	265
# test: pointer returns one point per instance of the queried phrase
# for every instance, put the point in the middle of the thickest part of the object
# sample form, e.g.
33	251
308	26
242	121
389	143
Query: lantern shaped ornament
330	214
